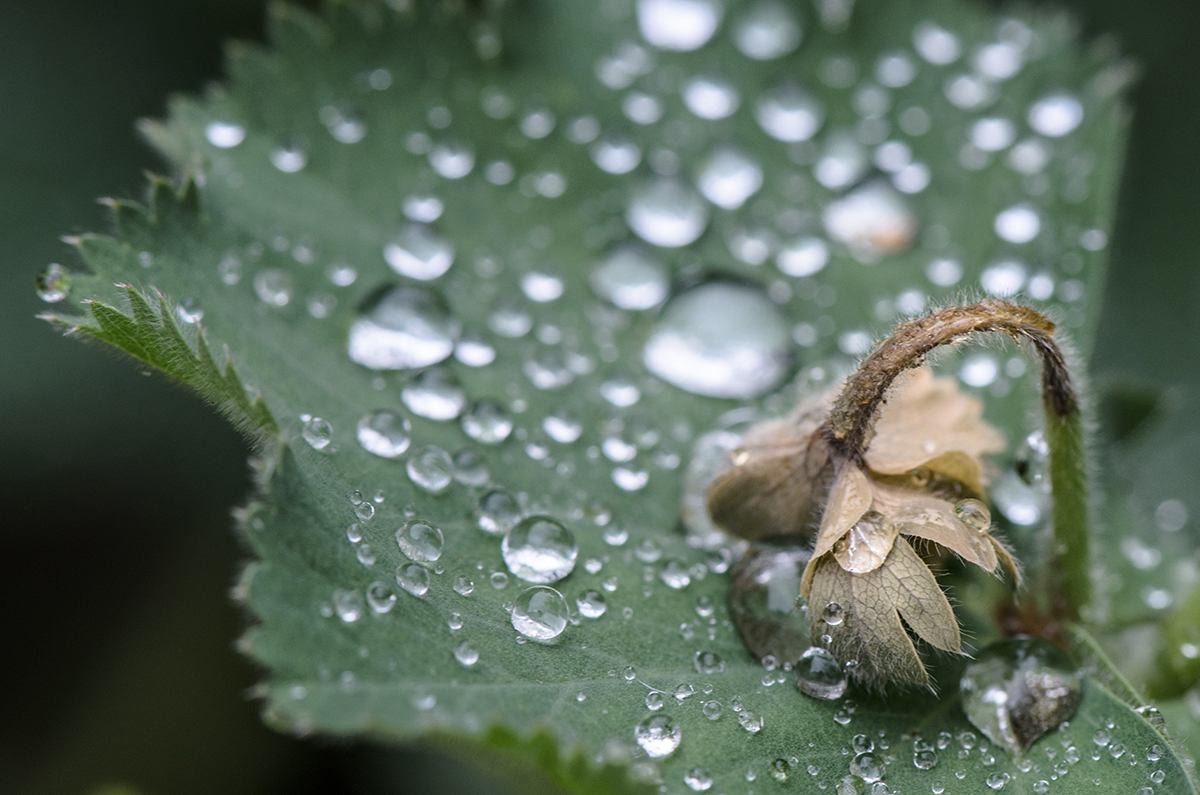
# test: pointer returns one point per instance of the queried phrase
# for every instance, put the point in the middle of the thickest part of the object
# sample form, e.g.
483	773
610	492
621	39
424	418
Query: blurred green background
116	488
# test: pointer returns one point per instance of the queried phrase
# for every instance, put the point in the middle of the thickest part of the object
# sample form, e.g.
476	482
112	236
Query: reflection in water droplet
721	340
681	25
317	432
788	113
768	30
384	433
224	134
1055	115
420	541
591	604
413	578
496	512
434	394
539	549
1016	690
487	422
419	253
729	177
658	735
616	154
407	327
53	284
710	96
819	674
430	468
872	221
667	213
540	613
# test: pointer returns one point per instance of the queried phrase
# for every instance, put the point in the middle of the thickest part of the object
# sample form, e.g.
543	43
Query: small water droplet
539	549
1055	115
833	614
274	287
591	604
708	662
712	710
868	767
434	394
53	284
1003	278
470	467
452	160
430	468
658	735
820	675
974	514
680	25
224	134
497	512
540	613
290	156
802	257
466	653
487	422
616	154
654	700
420	541
728	177
789	113
348	605
674	574
768	30
380	598
419	253
698	779
667	213
406	327
752	722
935	44
317	432
720	339
413	578
711	96
1018	224
630	277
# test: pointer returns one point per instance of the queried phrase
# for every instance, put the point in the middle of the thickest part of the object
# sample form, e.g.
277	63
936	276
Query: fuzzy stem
852	421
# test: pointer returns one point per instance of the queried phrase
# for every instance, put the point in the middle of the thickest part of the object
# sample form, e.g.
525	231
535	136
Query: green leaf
302	170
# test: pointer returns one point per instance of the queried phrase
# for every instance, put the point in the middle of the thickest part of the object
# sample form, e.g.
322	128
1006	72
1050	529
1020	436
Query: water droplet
1055	115
819	674
674	574
470	467
466	653
497	512
862	744
642	108
419	253
380	598
720	339
289	157
996	780
654	700
667	213
413	578
224	134
680	25
487	422
710	96
833	614
868	767
1018	224
463	585
1003	279
540	613
452	160
789	113
348	605
620	393
712	710
384	433
992	134
430	468
539	549
729	177
802	257
768	30
872	221
423	209
499	580
274	287
974	514
591	604
53	284
935	44
406	328
925	759
752	722
420	541
658	735
562	427
1016	690
698	779
843	161
317	432
434	394
616	154
708	662
895	70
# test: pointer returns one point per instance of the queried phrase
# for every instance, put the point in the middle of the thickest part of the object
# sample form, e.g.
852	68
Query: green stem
1070	572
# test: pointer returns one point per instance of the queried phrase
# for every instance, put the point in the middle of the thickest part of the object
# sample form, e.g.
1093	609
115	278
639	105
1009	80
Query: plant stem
852	422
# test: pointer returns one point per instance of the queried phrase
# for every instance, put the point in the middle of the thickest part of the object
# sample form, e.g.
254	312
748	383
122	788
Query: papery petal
849	498
928	517
910	586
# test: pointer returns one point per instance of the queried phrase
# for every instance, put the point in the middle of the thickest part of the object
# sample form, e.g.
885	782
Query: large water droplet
819	674
630	277
722	340
768	30
680	25
430	468
1018	689
407	327
420	541
419	253
414	578
434	394
384	433
539	549
540	613
53	284
497	512
729	177
872	221
667	213
487	422
789	113
658	735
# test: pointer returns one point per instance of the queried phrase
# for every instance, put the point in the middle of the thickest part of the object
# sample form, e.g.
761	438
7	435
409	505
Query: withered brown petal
769	490
928	517
870	632
849	498
925	417
957	465
908	583
1007	561
865	547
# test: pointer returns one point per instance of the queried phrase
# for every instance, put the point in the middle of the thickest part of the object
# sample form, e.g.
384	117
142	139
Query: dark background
115	548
